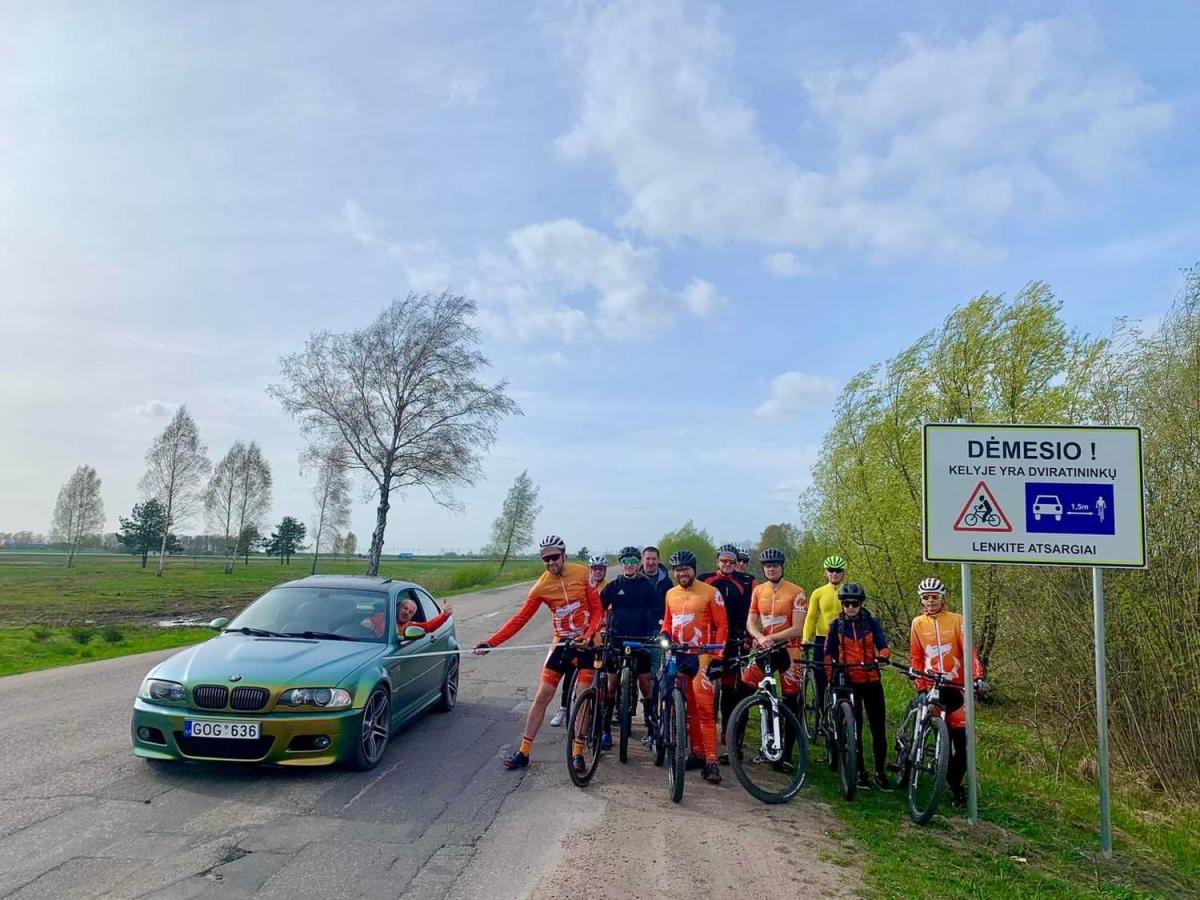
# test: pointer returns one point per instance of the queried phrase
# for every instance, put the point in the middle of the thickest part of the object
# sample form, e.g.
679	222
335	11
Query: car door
439	641
409	672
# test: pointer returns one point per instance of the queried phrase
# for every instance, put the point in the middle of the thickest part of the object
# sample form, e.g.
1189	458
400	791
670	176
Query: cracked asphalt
80	816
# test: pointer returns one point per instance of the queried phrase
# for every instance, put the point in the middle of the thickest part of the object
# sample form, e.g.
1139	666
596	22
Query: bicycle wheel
847	750
767	748
927	781
661	714
587	716
676	750
903	764
810	705
625	707
971	520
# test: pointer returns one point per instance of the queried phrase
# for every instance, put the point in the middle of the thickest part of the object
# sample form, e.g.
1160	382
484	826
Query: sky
686	224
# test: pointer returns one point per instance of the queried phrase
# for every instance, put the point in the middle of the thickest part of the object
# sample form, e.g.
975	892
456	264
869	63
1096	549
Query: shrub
82	634
112	634
41	633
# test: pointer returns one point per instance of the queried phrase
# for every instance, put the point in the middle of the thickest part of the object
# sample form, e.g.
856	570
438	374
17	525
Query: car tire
375	729
449	696
1058	518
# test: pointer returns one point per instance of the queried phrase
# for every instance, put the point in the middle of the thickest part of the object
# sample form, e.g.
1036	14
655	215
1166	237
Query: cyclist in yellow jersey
824	607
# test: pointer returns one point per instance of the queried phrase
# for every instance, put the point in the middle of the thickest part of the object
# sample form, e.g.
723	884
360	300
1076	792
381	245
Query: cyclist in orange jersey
694	614
575	608
936	644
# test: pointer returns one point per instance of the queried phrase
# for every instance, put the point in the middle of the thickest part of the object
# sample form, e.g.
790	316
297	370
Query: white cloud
934	143
795	392
539	282
155	409
785	264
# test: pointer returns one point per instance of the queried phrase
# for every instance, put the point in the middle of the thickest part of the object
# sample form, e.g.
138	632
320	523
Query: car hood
267	662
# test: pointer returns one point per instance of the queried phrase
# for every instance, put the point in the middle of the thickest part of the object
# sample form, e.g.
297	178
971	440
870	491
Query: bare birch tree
253	493
331	494
176	465
402	397
513	528
79	510
221	499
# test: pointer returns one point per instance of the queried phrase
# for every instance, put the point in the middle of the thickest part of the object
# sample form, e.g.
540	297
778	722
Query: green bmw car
314	672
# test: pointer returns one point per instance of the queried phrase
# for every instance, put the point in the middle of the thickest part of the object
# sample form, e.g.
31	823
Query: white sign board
1061	495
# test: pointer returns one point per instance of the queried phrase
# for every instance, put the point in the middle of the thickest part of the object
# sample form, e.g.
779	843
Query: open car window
427	605
346	612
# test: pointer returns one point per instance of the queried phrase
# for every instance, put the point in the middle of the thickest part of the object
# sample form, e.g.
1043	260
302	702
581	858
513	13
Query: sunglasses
553	557
836	571
630	560
851	603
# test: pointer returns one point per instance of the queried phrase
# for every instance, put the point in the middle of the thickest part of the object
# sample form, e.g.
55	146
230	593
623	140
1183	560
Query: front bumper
287	739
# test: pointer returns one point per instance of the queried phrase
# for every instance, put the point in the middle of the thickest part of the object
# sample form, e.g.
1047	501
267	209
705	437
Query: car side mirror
218	623
412	633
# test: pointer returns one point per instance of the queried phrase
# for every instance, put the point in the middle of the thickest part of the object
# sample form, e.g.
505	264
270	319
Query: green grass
98	590
39	647
1038	836
106	606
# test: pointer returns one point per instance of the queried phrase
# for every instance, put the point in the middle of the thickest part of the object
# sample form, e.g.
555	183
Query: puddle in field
181	623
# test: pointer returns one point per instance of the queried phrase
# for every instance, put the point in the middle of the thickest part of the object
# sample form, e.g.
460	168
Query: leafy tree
349	544
513	529
689	537
146	530
403	397
248	538
79	511
286	539
583	553
176	466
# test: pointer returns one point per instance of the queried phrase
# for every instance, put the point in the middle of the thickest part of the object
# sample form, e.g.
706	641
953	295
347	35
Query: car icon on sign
1047	505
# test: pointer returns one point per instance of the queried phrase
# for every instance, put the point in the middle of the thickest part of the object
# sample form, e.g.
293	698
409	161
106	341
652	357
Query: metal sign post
1102	711
969	695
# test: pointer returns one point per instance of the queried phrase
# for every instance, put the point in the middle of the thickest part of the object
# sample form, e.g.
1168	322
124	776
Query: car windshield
326	612
1046	500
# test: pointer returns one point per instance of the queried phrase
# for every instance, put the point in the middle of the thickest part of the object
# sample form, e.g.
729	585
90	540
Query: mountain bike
811	713
627	692
671	738
766	742
840	728
923	747
586	723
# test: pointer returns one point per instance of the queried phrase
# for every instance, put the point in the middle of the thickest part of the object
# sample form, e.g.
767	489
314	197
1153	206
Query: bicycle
586	723
840	727
992	520
627	690
811	713
923	747
777	770
671	739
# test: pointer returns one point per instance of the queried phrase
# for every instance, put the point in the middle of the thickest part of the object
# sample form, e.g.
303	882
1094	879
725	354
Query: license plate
196	728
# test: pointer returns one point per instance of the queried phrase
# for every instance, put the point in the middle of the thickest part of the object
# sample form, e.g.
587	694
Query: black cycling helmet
743	555
629	552
727	550
682	558
772	556
852	591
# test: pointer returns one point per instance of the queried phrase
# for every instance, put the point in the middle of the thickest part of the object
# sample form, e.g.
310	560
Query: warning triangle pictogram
973	518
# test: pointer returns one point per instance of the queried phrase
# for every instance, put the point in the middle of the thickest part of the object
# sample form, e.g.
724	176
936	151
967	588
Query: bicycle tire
625	703
810	706
847	749
922	811
586	705
904	748
677	763
734	740
660	716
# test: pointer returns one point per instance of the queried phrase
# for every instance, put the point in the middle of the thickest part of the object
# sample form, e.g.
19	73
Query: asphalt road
80	816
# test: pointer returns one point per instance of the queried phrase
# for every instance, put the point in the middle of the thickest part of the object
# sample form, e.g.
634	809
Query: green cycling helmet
834	562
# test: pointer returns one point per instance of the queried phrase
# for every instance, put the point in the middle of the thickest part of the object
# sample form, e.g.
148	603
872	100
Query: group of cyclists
729	610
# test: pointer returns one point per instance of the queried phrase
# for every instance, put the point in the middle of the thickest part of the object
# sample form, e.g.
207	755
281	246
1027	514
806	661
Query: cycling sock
577	748
526	745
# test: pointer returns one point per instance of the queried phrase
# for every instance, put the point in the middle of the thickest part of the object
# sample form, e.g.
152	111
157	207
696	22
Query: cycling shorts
563	658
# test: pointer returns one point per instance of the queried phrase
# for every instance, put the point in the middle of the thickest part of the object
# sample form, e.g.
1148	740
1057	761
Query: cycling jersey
858	639
737	602
634	605
573	604
696	615
935	644
779	606
823	609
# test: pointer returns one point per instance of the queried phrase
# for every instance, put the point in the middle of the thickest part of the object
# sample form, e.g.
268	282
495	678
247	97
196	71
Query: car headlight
158	690
325	698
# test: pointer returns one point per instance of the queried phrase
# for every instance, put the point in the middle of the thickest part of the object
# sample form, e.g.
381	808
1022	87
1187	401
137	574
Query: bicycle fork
772	732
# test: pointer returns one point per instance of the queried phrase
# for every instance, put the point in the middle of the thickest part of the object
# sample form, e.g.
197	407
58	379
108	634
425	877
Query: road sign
1062	495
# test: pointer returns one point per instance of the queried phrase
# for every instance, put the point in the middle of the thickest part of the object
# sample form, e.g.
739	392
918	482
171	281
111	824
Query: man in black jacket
736	590
634	610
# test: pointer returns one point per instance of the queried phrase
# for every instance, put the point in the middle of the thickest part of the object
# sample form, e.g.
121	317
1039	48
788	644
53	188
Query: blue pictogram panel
1058	508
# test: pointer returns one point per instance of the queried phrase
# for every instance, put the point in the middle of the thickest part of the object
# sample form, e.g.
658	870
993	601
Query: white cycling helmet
598	559
931	585
553	542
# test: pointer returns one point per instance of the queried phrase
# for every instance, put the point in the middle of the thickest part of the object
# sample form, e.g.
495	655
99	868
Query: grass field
107	606
1038	835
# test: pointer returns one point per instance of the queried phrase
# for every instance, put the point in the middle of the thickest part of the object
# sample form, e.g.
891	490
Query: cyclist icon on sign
1100	507
982	512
